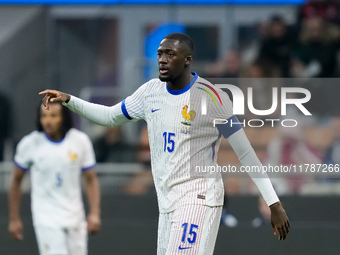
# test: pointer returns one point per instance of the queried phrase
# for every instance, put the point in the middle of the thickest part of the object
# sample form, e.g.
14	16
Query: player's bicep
222	116
90	174
228	127
240	143
133	106
132	111
18	173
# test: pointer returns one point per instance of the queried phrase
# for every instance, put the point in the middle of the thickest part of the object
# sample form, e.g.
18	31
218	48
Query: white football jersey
181	139
56	168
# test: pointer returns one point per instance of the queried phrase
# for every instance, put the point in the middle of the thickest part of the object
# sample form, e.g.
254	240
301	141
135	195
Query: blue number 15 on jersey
169	143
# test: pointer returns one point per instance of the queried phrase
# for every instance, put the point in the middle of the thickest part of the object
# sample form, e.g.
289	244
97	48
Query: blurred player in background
190	205
56	155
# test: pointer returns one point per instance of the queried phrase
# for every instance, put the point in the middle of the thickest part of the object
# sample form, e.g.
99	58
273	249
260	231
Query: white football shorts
62	241
189	230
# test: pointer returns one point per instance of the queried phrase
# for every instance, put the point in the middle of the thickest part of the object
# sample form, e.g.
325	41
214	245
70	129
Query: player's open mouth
163	71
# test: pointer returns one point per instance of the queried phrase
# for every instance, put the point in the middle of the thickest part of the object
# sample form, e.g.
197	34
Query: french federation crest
188	116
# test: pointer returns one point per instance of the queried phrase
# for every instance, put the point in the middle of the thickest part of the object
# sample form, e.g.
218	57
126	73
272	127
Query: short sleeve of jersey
88	159
223	107
23	157
133	106
223	113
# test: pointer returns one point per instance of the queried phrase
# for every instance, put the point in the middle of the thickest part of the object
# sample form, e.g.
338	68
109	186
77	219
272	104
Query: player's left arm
233	131
247	156
93	196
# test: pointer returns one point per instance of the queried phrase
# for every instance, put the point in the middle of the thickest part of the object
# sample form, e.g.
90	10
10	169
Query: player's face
51	120
172	60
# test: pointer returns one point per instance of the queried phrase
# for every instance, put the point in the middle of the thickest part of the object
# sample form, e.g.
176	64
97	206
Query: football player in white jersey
181	139
56	155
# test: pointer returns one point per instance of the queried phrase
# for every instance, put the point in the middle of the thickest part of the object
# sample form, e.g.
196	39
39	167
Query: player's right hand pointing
15	229
54	96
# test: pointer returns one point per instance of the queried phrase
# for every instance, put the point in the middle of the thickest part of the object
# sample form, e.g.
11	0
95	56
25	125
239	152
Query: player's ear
188	59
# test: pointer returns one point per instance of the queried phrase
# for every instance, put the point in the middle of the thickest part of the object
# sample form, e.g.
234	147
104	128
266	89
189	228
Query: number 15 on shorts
189	235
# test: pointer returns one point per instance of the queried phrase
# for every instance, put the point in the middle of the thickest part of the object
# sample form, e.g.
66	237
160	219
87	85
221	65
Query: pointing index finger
46	91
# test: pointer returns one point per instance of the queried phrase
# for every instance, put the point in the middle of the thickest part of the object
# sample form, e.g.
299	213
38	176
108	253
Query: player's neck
56	137
181	82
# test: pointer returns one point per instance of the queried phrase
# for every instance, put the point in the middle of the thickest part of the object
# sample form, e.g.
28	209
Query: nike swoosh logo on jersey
154	110
183	248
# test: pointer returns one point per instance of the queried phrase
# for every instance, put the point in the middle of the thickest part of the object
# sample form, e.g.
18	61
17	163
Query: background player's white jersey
181	138
56	169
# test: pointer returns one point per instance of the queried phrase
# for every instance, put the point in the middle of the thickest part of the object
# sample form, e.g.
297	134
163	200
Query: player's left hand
93	223
279	220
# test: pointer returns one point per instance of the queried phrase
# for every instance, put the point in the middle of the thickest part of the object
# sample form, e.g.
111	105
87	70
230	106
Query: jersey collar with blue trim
185	89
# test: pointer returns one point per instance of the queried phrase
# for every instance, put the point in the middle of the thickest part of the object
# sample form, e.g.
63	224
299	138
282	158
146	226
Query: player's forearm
248	157
260	179
93	195
14	200
99	114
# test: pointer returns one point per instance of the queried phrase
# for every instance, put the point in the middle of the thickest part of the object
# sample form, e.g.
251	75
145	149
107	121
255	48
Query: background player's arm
15	226
247	156
93	196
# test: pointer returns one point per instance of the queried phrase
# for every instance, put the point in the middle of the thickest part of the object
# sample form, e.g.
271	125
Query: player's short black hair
66	115
182	38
